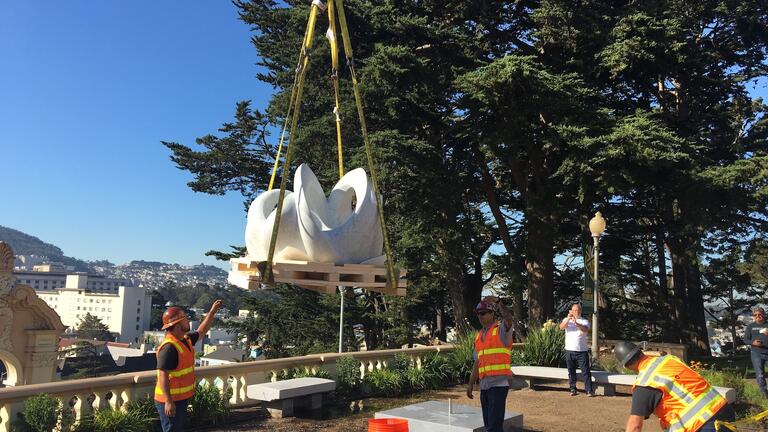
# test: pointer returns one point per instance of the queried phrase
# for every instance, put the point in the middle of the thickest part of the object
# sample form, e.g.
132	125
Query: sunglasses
480	313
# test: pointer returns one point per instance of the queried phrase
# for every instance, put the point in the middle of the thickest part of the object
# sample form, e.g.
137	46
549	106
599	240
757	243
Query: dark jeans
758	361
175	423
580	358
726	413
493	402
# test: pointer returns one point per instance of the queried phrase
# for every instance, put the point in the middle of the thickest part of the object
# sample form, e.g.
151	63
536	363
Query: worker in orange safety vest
176	366
682	399
493	349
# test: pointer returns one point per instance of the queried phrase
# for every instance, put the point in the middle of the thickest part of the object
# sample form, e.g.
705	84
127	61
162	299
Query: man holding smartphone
576	349
756	336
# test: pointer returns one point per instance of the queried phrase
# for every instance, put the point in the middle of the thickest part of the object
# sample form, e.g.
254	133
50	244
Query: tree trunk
668	319
679	295
539	263
462	305
698	321
518	313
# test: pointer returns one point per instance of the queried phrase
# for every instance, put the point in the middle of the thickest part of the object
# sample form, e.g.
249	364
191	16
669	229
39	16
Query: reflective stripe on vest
688	401
493	356
181	383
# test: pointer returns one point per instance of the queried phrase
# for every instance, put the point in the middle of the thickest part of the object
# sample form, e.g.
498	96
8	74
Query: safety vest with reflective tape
182	379
493	355
688	400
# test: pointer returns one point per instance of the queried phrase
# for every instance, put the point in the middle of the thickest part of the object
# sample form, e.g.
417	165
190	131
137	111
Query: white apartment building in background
125	309
49	277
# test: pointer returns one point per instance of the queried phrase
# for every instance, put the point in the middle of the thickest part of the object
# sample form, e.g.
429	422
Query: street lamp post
596	227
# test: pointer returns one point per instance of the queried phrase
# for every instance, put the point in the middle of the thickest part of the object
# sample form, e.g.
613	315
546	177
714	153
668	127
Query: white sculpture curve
317	229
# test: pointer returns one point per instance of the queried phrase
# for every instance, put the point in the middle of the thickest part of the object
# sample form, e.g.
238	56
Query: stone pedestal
433	416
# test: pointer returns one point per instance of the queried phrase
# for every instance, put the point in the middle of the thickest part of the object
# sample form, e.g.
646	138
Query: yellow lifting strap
331	35
302	73
740	424
290	108
391	277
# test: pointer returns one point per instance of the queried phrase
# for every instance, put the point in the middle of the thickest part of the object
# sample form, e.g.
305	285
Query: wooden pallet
320	277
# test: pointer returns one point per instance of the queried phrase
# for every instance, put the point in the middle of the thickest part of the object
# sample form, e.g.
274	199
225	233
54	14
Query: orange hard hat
173	315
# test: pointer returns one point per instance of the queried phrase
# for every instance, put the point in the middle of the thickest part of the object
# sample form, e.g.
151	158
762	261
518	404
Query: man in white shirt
576	349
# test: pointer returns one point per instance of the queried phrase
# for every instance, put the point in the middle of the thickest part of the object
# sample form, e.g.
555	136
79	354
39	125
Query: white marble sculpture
342	229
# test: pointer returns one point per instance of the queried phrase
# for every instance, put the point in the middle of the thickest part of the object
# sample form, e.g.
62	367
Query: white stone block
291	388
433	416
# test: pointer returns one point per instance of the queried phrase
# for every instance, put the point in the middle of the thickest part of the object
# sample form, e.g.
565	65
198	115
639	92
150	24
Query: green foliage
438	370
302	373
462	357
519	358
109	420
347	375
40	414
92	328
609	363
545	346
415	379
384	382
145	408
209	405
400	363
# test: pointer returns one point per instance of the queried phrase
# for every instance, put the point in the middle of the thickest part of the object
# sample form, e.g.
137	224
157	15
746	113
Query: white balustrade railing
85	395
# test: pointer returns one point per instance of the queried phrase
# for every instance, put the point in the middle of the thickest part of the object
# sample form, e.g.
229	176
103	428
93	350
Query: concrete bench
604	383
281	397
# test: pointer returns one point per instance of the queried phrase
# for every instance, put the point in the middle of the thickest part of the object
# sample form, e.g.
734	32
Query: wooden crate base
320	277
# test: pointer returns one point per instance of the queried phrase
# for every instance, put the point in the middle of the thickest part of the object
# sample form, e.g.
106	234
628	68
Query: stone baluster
126	395
238	390
82	407
5	417
102	399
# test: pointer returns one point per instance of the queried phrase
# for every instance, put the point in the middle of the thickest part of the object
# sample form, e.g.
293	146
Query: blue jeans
175	423
493	401
758	361
580	358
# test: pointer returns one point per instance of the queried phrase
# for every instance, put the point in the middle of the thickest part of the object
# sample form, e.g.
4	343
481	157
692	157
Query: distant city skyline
89	89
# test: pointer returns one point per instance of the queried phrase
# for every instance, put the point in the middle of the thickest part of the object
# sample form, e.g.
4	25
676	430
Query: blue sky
88	89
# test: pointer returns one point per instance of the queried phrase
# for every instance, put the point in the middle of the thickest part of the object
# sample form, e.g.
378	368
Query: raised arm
208	320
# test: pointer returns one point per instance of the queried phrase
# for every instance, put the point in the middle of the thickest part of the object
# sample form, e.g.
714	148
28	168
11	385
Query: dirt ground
546	409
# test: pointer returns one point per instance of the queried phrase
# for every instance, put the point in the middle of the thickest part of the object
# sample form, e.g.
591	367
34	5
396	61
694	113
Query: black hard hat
625	351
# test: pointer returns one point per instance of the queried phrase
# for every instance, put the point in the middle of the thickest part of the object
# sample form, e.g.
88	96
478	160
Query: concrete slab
289	388
432	416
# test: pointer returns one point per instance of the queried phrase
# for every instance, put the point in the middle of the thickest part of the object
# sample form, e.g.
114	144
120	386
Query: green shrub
609	363
438	370
400	363
347	376
545	346
146	407
519	359
384	382
415	379
462	357
302	373
40	414
109	420
209	405
308	373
